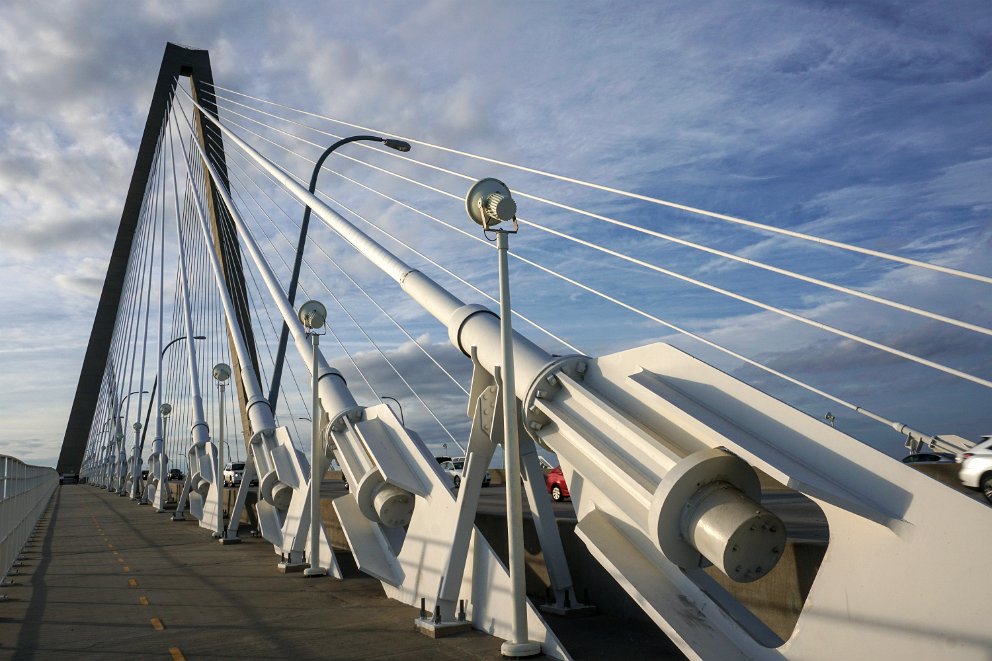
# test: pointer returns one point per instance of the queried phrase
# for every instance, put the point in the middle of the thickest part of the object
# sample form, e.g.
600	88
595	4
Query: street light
221	372
313	314
120	436
165	411
398	145
151	400
490	204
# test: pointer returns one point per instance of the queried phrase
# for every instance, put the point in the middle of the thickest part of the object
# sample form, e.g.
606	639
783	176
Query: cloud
865	122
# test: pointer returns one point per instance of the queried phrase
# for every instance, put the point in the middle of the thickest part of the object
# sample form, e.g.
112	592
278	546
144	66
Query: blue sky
867	123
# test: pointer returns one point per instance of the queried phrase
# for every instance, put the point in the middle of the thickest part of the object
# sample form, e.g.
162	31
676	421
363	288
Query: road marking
121	560
176	654
132	583
143	601
116	552
127	569
157	624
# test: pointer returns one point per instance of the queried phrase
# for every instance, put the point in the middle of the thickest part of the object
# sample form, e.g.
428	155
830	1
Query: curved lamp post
151	400
120	435
398	145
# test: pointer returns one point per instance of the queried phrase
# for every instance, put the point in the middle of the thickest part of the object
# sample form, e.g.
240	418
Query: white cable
770	308
399	241
344	273
646	198
613	221
305	293
674	327
381	353
242	144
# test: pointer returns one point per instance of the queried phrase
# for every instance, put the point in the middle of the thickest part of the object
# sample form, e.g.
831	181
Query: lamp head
398	145
313	314
165	409
489	203
222	371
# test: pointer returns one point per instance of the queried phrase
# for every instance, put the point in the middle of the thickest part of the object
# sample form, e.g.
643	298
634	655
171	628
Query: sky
863	122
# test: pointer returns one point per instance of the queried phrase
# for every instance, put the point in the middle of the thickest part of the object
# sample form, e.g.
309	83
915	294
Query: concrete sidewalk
105	578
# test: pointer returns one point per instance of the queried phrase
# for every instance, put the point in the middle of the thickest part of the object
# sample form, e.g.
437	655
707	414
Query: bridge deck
101	574
102	570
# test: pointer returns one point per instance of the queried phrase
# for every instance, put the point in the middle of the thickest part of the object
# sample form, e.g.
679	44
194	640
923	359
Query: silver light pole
121	491
490	204
313	314
222	372
165	410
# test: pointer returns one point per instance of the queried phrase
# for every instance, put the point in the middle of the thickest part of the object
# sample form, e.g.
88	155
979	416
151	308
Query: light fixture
222	371
490	204
313	314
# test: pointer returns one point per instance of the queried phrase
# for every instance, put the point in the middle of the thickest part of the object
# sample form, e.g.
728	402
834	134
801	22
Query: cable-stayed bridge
666	456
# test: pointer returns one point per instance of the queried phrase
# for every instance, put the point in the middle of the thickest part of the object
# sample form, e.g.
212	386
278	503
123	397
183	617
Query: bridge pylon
177	61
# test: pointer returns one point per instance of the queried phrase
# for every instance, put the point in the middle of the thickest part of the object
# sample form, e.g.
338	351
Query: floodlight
313	314
222	371
489	203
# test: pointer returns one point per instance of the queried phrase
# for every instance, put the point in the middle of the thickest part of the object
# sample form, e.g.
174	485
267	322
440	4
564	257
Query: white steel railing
24	494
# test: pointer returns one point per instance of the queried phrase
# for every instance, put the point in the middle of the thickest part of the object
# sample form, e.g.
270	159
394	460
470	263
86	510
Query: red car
555	481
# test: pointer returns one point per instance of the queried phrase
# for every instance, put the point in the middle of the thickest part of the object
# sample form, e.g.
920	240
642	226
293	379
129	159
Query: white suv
976	467
233	473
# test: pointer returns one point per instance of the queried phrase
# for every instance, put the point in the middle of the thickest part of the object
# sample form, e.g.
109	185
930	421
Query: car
69	478
144	474
233	473
455	467
976	467
555	482
175	474
982	445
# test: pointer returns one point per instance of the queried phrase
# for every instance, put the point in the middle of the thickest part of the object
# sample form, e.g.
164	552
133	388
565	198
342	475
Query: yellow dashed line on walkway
143	601
127	569
132	583
157	624
176	654
121	560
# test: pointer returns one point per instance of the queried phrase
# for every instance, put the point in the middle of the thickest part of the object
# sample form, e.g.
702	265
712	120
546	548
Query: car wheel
986	485
556	493
458	481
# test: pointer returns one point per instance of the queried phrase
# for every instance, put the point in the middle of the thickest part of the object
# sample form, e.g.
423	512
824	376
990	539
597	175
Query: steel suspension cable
257	157
363	219
346	275
377	348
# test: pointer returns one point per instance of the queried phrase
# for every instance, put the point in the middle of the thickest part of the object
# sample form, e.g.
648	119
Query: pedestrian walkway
106	579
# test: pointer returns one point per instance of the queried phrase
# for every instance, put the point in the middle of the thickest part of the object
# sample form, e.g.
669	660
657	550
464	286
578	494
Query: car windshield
238	467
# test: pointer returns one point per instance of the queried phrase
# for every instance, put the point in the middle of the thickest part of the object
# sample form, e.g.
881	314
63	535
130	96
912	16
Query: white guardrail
24	494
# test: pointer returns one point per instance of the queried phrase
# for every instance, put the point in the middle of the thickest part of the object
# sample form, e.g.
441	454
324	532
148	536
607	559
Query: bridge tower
194	64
